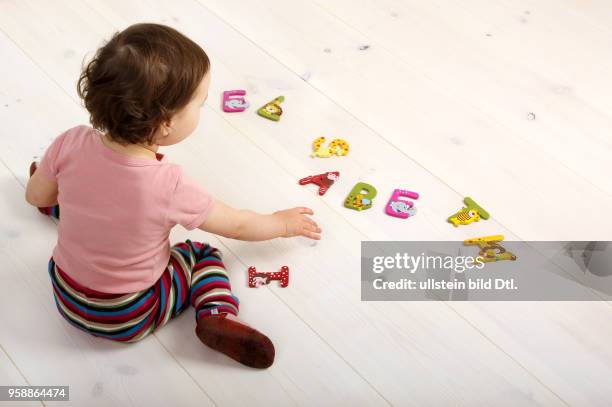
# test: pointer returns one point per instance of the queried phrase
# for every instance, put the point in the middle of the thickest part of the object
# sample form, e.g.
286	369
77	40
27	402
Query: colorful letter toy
233	101
337	147
472	212
258	279
360	197
324	181
272	110
490	249
401	208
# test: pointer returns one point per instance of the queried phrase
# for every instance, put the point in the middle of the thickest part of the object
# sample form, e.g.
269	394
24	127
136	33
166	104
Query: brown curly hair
139	79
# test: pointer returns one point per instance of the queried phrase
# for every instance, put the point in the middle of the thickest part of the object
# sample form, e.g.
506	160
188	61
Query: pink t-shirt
116	211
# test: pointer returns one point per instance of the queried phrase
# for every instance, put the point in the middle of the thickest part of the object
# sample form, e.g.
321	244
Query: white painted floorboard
457	125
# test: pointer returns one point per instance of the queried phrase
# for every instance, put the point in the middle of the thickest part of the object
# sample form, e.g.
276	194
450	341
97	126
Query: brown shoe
33	167
238	341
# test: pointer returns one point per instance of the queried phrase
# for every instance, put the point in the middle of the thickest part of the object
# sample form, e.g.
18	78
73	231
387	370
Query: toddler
113	272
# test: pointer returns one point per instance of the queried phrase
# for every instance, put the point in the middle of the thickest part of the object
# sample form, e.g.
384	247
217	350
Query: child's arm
42	188
40	191
243	224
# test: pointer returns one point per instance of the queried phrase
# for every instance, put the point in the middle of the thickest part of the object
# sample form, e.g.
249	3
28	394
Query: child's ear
164	130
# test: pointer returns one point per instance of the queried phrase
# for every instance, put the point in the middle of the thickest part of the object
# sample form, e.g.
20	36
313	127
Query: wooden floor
507	101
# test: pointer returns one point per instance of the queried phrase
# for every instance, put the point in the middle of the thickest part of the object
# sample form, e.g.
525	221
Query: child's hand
298	224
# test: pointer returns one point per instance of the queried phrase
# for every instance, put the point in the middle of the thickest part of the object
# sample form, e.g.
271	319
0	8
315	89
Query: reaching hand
298	224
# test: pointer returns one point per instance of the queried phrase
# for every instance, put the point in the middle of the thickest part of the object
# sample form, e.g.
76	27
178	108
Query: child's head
146	85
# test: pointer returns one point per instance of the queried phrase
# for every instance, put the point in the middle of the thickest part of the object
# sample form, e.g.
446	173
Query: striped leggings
195	275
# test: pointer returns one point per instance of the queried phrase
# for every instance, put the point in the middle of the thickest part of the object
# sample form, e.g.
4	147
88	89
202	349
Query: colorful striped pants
52	211
195	275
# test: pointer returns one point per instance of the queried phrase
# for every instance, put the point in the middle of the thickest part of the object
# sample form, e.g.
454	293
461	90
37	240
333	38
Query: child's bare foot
227	334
